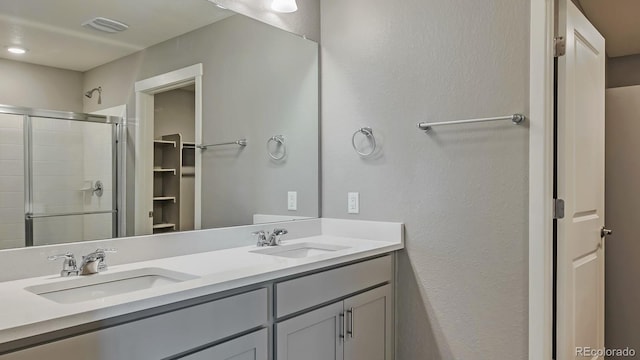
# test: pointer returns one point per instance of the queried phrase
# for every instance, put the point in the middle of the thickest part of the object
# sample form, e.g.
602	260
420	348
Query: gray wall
623	71
40	87
462	191
621	209
174	113
258	81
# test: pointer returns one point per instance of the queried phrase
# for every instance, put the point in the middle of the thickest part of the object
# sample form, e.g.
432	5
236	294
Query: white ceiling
618	21
52	32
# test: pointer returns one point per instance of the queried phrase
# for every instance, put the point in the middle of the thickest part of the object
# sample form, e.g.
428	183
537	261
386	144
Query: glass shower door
71	171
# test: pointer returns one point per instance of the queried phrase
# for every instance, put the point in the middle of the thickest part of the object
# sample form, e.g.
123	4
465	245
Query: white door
253	346
369	325
580	179
316	335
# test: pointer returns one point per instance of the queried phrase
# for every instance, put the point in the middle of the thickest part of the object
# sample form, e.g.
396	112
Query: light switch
292	200
353	203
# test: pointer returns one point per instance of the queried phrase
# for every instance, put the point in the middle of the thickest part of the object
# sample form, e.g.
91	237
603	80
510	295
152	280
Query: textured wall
40	87
461	191
623	71
621	209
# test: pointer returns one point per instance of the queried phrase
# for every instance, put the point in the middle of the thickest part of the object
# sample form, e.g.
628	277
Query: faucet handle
66	256
102	264
261	237
281	231
107	251
277	234
69	266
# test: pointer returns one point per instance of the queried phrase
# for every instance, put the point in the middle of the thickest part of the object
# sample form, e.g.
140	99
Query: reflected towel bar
40	216
241	142
516	119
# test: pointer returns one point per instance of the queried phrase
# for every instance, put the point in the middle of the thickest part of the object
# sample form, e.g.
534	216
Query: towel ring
368	132
279	140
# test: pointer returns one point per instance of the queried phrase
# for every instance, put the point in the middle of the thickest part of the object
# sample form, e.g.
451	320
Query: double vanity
324	291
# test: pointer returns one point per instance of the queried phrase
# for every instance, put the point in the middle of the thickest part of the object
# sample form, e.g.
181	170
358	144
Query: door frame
541	92
145	91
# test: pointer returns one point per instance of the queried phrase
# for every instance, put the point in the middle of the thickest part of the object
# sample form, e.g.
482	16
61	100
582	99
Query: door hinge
558	209
559	46
150	214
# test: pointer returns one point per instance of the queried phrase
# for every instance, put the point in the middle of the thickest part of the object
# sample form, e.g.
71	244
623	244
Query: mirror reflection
131	118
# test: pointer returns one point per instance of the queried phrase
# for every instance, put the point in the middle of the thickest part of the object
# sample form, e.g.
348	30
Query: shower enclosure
58	177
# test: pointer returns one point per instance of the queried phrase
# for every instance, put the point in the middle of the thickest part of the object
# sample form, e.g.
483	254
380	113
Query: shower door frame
116	132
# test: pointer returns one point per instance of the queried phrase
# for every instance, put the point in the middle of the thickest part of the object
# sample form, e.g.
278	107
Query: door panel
580	179
249	347
369	325
312	336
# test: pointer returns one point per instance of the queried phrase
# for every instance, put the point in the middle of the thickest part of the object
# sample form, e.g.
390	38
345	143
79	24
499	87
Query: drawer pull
350	322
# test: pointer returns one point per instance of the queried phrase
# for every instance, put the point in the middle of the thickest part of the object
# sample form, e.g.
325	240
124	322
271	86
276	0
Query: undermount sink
102	285
301	250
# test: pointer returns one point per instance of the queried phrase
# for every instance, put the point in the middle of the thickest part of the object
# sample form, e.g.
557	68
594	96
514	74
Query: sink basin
301	250
106	284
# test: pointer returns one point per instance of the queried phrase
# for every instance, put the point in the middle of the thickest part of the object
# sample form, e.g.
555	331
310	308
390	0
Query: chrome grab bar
240	142
39	216
516	119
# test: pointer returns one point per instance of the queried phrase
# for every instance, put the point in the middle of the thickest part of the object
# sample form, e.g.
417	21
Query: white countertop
24	314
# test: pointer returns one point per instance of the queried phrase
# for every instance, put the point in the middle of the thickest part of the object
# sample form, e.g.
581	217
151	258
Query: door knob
605	232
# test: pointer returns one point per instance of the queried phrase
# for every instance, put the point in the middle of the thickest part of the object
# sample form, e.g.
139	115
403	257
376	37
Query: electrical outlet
292	200
353	203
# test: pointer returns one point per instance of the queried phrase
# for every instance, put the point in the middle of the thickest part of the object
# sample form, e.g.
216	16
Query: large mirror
123	118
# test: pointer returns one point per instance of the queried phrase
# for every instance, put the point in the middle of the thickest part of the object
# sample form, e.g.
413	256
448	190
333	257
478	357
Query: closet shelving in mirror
167	159
164	198
164	142
164	226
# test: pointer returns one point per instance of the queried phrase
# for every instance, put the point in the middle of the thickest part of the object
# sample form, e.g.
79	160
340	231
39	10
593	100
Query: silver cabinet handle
341	326
350	322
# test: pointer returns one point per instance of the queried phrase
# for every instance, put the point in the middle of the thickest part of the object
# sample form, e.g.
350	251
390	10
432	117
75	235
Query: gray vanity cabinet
358	328
253	346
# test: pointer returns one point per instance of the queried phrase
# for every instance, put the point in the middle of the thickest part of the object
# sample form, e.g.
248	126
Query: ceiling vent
105	25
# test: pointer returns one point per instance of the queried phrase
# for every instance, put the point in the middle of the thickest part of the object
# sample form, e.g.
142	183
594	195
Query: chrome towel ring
368	132
279	140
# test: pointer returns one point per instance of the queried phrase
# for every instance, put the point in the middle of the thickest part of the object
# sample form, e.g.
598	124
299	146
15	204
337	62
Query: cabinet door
249	347
316	335
369	325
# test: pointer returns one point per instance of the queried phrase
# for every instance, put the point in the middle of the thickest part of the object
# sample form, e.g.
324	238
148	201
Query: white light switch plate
292	200
353	203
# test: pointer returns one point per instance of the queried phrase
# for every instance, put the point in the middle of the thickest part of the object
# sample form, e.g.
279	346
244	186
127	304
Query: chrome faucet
94	262
266	239
69	266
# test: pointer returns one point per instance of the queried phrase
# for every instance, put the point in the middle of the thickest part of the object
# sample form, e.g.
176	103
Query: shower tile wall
11	182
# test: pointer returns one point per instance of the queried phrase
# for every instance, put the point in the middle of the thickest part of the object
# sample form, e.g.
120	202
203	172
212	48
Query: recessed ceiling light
16	50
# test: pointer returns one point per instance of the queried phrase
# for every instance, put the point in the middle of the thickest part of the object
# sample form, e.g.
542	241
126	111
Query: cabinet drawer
308	291
160	336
